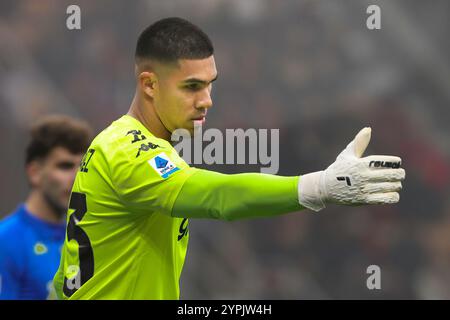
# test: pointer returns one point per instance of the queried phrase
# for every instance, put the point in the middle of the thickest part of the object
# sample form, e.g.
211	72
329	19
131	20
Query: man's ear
34	172
148	82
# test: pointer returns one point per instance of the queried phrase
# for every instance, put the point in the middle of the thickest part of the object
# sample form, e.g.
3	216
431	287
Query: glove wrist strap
310	191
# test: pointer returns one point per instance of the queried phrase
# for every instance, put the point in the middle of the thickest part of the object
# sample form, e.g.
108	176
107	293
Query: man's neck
37	206
145	112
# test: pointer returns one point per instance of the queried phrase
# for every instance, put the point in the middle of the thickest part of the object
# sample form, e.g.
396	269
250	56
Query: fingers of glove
382	187
383	162
383	198
386	175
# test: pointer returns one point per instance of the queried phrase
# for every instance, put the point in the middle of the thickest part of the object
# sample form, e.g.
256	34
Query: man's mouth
199	120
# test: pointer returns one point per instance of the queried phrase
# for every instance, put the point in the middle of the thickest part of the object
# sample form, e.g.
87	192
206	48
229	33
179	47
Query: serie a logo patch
162	165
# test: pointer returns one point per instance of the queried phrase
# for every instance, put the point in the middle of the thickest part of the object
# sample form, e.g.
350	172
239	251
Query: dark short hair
170	39
57	131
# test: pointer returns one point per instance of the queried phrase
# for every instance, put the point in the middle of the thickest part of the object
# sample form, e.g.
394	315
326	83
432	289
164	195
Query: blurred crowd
311	69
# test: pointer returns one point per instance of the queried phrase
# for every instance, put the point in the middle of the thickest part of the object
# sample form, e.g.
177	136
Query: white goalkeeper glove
352	180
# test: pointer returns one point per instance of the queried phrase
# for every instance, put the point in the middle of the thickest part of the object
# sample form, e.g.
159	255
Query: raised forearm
208	194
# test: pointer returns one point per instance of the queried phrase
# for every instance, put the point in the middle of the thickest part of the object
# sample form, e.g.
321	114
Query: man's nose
205	100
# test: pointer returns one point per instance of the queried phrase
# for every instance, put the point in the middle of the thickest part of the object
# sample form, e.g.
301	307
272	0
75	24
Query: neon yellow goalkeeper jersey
121	240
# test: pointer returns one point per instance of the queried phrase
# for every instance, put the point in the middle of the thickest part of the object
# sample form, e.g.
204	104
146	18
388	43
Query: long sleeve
208	194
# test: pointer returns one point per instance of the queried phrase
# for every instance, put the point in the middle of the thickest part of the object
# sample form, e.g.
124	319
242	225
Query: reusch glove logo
385	164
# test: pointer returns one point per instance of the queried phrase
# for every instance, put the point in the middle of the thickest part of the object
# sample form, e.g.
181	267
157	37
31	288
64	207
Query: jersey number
74	232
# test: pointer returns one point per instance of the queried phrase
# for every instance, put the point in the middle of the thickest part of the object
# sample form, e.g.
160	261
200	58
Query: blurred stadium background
311	69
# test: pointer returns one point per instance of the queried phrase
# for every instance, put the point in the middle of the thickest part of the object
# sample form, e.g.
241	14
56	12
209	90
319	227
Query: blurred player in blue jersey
32	236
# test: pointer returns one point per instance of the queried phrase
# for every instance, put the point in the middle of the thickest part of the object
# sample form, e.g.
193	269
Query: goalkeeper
127	223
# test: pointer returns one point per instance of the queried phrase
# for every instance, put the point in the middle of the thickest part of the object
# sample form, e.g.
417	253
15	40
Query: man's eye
65	165
193	87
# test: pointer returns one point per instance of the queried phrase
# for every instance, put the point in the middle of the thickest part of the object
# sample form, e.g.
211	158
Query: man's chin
58	205
189	131
61	207
197	129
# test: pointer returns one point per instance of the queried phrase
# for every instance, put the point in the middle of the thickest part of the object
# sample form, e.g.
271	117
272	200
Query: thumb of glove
358	145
